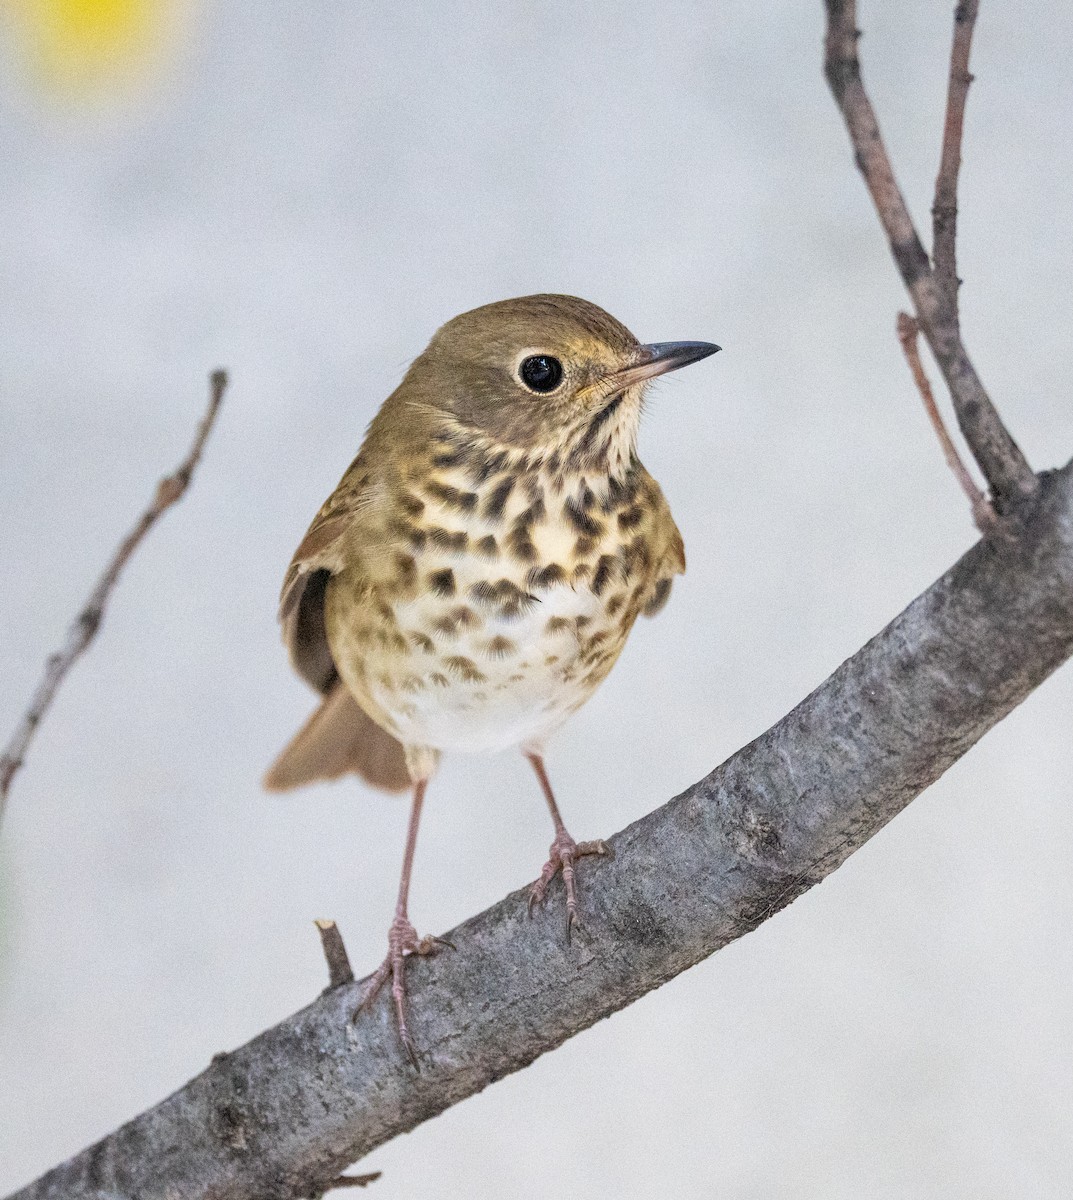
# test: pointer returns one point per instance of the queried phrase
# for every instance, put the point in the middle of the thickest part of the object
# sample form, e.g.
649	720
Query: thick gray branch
280	1117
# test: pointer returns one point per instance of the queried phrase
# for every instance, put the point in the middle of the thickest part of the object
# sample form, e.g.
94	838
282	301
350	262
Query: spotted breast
501	592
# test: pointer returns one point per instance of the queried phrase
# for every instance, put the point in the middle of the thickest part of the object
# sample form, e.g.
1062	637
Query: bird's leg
563	853
402	938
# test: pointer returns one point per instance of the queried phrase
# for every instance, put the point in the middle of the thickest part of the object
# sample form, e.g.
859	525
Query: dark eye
541	372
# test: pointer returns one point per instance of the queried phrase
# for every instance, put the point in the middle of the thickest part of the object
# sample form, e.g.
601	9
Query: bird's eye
541	372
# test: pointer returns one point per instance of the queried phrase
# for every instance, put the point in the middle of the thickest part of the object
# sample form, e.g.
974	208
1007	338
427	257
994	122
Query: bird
475	574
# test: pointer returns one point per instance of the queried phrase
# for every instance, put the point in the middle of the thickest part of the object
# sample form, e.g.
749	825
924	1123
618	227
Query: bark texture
281	1116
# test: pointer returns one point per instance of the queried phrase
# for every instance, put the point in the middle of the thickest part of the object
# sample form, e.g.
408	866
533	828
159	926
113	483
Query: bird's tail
339	738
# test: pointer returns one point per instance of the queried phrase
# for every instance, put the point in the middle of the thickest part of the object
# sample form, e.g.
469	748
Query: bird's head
548	373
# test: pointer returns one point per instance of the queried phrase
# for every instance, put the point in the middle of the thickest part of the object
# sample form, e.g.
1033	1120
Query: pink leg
563	853
402	938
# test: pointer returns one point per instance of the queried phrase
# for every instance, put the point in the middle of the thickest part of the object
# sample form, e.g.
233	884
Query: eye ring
541	373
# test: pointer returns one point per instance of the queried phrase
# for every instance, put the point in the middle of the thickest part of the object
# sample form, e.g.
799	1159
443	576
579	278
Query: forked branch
1004	466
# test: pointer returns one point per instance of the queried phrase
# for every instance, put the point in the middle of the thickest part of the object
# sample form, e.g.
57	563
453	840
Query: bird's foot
564	853
402	941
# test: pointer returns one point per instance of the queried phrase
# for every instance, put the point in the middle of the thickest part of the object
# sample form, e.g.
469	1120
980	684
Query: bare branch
283	1115
983	514
1003	464
944	211
82	631
355	1181
331	942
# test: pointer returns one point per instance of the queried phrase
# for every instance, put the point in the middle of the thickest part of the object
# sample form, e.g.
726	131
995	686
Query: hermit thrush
473	578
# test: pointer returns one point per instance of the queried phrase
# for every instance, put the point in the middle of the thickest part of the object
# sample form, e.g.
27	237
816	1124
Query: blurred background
303	195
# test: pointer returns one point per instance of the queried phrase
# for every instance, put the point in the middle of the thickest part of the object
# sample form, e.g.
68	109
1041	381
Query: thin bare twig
354	1181
1004	466
983	514
944	211
83	630
331	941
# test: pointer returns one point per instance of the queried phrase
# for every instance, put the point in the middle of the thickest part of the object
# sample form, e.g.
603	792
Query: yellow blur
81	48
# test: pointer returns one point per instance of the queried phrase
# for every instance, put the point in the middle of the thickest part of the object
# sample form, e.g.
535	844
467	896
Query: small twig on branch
85	626
354	1181
1004	466
944	211
983	514
331	941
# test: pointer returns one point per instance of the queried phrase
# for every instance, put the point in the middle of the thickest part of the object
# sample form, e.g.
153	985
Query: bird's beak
659	358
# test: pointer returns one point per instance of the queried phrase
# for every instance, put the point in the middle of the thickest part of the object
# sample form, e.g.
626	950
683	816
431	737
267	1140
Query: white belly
496	682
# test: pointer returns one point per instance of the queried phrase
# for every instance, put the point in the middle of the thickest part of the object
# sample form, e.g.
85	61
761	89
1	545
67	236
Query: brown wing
670	550
339	737
320	554
301	602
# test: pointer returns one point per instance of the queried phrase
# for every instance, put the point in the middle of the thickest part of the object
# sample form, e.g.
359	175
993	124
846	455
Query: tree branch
944	211
82	632
331	942
281	1117
1003	464
983	515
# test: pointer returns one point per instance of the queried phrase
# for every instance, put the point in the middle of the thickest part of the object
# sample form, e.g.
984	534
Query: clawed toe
402	941
564	852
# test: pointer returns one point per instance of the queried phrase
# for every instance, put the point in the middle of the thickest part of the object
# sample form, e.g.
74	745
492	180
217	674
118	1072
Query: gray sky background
304	199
